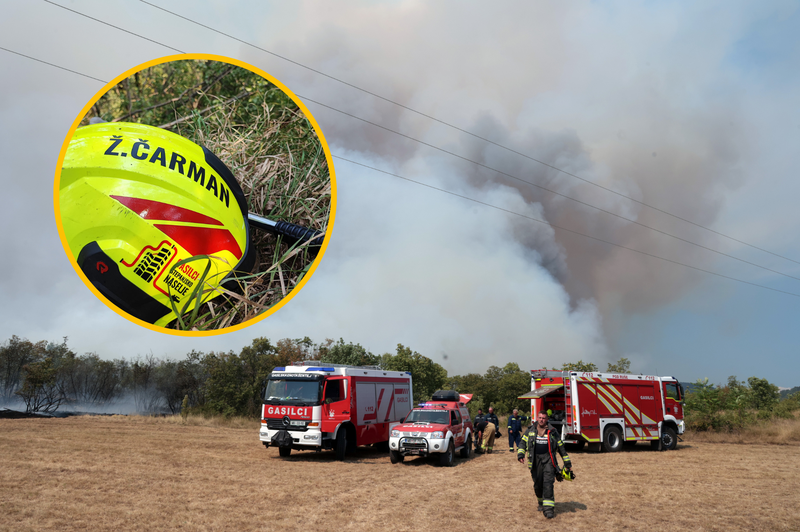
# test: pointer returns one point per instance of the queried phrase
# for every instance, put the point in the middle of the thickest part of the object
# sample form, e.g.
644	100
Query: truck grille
277	424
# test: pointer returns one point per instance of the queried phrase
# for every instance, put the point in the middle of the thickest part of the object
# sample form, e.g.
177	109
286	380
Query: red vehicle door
672	400
457	428
335	403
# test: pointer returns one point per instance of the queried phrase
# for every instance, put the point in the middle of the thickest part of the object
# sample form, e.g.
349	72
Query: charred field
129	473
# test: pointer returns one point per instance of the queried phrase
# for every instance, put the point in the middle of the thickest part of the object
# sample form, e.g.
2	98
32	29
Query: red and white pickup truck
441	425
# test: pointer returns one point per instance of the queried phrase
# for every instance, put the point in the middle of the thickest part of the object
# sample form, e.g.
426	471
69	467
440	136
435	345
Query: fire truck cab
609	410
332	406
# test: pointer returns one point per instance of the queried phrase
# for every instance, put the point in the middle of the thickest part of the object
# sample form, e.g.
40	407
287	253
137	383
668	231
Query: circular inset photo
195	194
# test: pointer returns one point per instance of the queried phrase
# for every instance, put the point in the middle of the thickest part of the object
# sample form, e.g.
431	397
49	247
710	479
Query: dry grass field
134	473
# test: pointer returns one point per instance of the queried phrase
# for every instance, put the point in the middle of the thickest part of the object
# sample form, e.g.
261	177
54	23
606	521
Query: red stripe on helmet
202	240
155	210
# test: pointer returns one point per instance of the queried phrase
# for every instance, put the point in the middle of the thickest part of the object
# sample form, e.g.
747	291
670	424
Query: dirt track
143	474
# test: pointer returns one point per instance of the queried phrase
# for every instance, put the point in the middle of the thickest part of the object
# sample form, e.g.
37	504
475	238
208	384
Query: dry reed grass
129	473
776	431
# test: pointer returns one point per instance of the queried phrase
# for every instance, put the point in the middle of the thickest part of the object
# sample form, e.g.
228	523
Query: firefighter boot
549	508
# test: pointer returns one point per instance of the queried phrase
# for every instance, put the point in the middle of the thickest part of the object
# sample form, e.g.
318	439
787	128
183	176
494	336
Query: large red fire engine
609	409
331	406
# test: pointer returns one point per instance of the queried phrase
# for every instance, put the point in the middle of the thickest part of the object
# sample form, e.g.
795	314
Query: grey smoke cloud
656	147
643	99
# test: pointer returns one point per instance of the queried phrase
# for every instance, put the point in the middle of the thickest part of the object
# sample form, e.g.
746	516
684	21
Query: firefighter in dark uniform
541	443
515	422
480	427
491	417
479	421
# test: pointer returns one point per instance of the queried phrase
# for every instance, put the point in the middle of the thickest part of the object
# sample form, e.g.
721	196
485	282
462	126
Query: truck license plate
413	440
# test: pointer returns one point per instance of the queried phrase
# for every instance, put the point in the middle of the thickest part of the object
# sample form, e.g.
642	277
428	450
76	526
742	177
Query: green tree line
46	376
736	404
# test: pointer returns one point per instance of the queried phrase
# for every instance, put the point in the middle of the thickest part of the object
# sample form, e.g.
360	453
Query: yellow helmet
155	221
567	474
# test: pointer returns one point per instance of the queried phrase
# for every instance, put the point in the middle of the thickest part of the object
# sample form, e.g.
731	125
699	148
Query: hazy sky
690	108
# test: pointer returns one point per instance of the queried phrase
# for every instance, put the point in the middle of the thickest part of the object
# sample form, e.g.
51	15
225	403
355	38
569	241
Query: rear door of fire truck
585	404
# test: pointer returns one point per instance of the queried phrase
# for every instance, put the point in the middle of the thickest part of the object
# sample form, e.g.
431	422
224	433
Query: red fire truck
609	410
332	406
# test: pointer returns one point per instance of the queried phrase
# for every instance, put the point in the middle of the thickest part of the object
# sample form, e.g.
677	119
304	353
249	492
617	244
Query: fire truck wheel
448	458
612	439
466	451
341	443
284	451
396	457
669	439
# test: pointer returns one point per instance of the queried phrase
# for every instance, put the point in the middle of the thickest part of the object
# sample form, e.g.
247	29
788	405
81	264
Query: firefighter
491	431
492	418
515	422
480	419
480	428
541	443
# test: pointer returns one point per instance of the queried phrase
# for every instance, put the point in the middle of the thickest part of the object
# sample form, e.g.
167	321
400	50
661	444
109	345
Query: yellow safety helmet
136	202
567	474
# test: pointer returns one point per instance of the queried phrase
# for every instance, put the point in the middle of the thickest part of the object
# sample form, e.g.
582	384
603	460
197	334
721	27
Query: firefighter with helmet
541	444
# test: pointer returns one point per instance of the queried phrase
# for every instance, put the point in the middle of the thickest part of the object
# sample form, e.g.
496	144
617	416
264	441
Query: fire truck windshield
441	417
300	392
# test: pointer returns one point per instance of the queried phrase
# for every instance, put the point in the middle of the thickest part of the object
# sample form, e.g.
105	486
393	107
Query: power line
560	227
493	206
115	27
630	220
467	132
53	65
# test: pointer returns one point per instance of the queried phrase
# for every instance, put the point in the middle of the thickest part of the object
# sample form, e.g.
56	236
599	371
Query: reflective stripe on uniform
548	502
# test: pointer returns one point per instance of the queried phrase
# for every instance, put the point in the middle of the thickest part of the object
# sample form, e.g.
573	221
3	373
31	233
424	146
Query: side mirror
328	401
